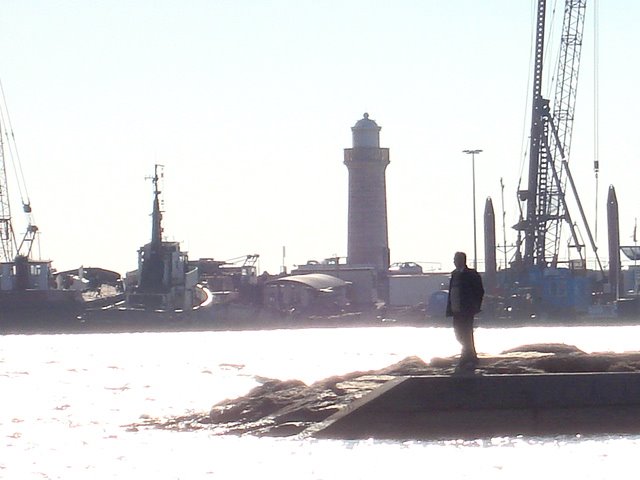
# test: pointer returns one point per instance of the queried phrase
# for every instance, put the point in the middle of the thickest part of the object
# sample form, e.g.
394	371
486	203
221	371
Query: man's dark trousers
463	328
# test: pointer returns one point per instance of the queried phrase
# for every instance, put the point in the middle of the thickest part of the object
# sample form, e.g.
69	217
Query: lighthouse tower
368	241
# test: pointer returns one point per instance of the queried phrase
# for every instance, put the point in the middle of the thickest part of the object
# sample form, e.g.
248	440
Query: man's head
460	260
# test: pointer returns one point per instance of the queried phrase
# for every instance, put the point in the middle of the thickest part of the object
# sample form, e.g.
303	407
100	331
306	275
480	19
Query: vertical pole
284	256
490	267
475	234
473	180
504	228
613	223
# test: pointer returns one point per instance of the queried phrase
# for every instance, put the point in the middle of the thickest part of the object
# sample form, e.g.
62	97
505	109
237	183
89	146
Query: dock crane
18	271
10	249
26	283
550	144
543	204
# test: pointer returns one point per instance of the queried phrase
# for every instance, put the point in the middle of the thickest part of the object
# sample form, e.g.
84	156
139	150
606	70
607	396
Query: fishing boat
29	293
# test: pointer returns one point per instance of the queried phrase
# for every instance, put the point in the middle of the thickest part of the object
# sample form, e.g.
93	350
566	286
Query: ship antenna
156	228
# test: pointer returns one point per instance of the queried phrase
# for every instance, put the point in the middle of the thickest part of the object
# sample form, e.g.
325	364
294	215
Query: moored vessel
28	291
162	293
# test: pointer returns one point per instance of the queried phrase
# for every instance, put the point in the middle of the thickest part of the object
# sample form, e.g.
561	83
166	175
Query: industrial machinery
536	268
9	247
27	286
18	270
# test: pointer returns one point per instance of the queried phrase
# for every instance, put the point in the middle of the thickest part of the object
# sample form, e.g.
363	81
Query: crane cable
12	148
13	151
550	41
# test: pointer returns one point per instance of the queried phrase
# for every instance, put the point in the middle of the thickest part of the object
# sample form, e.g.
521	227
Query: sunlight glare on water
67	402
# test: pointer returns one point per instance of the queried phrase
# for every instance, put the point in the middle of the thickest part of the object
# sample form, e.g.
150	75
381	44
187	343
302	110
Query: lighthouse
368	240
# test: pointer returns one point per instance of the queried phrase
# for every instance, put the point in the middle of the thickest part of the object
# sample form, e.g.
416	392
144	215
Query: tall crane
10	249
19	272
550	145
7	235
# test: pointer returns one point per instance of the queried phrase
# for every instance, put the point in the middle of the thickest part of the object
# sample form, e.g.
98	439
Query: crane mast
10	250
550	143
7	236
534	198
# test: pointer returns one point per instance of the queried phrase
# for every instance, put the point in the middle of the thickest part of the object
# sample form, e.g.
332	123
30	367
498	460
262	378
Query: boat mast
151	258
156	227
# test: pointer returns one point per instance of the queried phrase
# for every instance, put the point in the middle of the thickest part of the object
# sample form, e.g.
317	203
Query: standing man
465	299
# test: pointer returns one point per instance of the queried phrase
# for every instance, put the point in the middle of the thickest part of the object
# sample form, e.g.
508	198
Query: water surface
66	402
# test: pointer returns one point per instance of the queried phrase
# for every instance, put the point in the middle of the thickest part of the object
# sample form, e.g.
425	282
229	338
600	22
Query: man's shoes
467	366
469	361
463	368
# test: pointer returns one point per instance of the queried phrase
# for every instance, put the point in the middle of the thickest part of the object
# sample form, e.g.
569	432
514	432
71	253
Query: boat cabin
25	274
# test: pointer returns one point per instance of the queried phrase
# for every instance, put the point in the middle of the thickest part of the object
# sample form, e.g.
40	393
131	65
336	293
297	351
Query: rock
284	408
408	366
264	400
572	363
438	362
545	348
583	362
286	429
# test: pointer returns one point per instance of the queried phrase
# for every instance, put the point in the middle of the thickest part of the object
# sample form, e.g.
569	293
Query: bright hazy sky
249	105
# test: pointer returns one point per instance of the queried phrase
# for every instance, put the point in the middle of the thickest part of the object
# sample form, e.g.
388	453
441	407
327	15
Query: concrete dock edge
475	406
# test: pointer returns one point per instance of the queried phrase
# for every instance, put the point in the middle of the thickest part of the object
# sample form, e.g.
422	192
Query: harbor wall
475	406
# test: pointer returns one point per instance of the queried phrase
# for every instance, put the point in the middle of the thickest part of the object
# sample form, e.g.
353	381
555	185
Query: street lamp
473	154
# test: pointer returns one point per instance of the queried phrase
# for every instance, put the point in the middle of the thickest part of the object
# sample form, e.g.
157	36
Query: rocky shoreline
281	408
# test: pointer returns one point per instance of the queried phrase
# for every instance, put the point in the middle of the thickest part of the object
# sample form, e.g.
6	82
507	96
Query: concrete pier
475	406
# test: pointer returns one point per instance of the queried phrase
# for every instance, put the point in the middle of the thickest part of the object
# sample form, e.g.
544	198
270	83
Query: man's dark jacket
465	293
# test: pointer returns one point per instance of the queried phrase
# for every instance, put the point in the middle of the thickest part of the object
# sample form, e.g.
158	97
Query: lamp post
473	154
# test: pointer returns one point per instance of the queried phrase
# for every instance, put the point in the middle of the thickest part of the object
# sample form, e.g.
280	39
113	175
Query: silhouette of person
464	301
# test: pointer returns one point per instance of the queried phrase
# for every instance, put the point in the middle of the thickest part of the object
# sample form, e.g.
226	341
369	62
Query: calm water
65	401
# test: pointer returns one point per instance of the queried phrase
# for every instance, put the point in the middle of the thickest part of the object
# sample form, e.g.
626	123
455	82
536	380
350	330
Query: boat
163	280
34	298
163	292
29	293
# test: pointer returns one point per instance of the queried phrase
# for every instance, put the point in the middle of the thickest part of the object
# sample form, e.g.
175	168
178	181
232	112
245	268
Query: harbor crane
10	249
535	281
545	207
20	274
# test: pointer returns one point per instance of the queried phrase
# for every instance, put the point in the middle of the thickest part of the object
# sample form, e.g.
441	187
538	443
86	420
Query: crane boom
7	236
10	249
563	116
